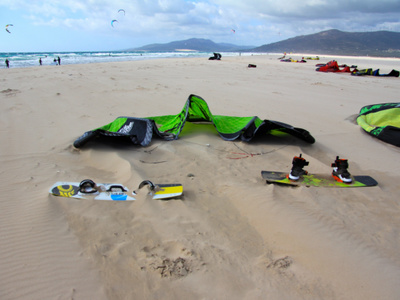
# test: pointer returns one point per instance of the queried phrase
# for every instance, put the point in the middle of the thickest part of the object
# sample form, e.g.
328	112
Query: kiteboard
88	189
317	180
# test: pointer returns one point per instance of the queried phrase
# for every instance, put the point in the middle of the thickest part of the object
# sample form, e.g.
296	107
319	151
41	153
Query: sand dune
231	236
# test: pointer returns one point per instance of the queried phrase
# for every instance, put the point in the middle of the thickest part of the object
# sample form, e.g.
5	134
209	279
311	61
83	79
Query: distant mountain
193	44
379	43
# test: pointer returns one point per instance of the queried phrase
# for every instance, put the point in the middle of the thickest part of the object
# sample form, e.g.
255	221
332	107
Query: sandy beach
230	236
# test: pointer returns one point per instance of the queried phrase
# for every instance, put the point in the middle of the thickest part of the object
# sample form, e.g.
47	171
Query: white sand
230	236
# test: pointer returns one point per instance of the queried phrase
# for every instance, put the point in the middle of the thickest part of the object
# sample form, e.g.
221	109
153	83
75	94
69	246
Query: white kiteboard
88	189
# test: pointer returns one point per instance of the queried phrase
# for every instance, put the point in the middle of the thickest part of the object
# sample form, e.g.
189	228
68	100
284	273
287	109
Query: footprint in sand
280	263
181	265
10	92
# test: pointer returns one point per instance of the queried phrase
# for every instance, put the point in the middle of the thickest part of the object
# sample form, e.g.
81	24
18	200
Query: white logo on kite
126	128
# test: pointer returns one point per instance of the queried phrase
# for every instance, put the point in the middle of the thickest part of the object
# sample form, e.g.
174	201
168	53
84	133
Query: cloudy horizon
72	25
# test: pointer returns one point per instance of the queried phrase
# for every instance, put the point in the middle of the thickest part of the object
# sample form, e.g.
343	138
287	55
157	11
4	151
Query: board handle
87	186
152	186
116	187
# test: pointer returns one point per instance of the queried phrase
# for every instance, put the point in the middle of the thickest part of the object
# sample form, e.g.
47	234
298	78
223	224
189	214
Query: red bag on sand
345	69
333	66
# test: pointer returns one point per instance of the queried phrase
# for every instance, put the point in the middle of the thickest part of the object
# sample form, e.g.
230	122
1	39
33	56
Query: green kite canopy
381	121
168	127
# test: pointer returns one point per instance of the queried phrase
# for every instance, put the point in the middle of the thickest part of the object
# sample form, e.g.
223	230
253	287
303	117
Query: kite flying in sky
8	26
119	11
112	22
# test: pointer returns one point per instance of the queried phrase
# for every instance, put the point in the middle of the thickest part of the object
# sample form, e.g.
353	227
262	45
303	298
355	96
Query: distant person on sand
40	61
7	63
59	60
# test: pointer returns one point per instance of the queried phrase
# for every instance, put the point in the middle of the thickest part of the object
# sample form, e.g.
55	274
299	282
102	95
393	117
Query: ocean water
31	59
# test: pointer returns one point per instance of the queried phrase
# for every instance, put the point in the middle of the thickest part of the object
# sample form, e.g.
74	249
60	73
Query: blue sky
79	25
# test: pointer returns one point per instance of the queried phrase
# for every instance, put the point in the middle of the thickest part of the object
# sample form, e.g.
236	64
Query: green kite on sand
381	121
141	130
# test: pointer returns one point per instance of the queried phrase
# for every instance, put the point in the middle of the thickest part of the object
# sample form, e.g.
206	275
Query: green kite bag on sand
381	121
141	130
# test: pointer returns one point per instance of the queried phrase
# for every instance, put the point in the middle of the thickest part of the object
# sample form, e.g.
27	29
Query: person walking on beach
40	61
59	61
7	63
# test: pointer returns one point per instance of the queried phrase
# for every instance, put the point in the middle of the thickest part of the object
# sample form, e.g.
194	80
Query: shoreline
70	59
